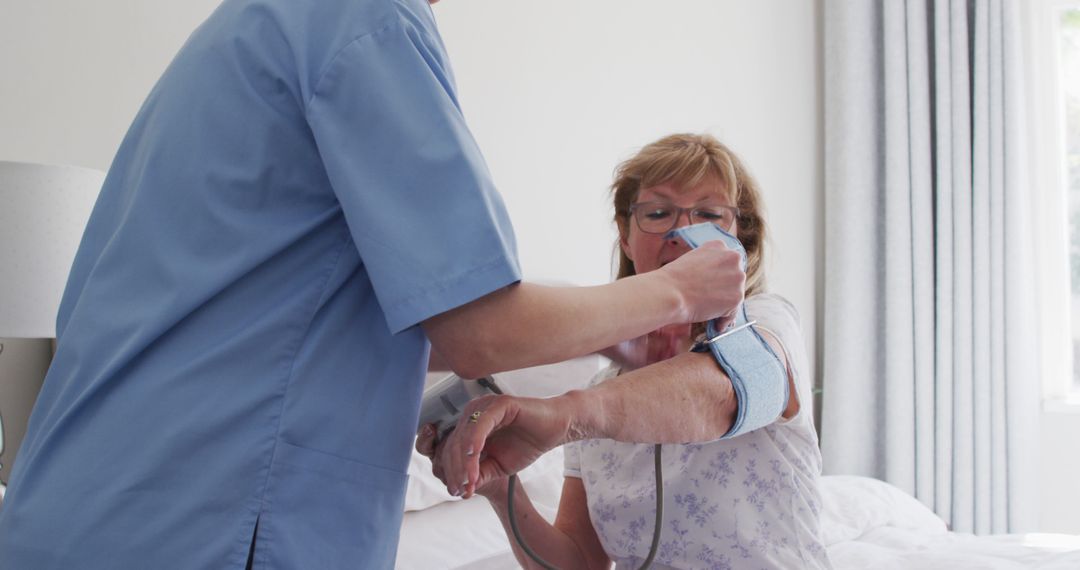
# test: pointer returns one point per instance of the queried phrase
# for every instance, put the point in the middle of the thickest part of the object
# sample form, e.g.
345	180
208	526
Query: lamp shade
43	212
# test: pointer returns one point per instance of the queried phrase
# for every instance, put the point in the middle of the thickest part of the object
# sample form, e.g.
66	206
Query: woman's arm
570	543
685	399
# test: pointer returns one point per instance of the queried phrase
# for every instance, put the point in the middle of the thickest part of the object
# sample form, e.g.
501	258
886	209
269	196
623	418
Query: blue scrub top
237	342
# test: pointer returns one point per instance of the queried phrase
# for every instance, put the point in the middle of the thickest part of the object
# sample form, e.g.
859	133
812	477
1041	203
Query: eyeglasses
661	217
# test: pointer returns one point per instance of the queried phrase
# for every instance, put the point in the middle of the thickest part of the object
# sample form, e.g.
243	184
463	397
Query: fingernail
468	452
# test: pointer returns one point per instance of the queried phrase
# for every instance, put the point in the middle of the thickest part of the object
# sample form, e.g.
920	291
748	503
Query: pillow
853	506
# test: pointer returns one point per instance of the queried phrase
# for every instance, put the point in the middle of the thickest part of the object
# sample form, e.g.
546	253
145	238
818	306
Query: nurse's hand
710	281
509	433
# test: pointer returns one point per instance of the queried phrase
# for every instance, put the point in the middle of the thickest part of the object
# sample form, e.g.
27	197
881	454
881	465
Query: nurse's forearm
436	363
527	325
685	399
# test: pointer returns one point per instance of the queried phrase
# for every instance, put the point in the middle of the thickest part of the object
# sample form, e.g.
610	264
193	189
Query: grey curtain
930	365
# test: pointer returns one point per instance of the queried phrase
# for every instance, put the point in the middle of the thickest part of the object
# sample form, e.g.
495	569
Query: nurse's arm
436	363
527	324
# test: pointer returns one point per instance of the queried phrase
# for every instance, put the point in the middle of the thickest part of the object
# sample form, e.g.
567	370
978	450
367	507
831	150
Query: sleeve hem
451	293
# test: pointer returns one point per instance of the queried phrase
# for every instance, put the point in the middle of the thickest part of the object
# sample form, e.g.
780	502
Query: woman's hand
496	437
428	444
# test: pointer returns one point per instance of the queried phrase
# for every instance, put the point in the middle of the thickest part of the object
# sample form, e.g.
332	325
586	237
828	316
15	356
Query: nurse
297	219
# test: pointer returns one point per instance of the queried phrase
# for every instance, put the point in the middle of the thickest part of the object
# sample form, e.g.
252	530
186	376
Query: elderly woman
748	501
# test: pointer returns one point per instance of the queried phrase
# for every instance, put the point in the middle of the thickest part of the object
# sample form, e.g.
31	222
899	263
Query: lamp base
23	364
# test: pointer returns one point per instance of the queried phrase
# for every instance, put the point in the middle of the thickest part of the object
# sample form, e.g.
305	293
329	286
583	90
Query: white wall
73	74
1060	469
557	97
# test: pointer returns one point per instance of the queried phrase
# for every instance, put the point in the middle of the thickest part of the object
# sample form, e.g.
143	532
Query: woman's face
652	251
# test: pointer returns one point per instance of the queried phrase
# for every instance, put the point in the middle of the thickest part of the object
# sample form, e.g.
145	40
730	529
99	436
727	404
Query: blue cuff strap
757	374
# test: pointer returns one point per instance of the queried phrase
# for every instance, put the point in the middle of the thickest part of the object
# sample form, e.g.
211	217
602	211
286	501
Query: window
1052	54
1068	71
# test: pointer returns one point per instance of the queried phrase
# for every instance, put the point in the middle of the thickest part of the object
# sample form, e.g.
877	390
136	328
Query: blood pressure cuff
757	375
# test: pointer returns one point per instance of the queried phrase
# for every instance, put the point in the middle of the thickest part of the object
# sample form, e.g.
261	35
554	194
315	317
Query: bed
866	523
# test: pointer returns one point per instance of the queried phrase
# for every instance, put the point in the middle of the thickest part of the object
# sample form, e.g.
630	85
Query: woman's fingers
461	455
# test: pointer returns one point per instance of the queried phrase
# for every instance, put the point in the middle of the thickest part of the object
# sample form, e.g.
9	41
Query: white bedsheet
888	548
867	524
462	534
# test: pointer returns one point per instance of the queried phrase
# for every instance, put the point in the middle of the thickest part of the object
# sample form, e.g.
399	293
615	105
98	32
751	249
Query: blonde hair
684	160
